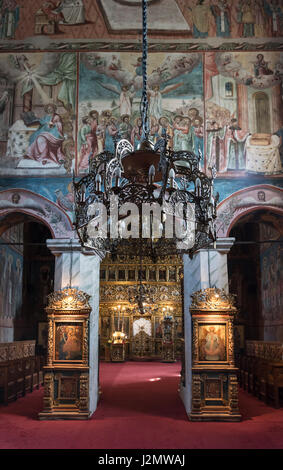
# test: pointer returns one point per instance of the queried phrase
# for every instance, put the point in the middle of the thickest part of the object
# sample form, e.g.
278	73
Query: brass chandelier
154	175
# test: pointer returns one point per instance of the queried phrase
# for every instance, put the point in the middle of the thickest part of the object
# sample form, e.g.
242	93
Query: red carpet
137	413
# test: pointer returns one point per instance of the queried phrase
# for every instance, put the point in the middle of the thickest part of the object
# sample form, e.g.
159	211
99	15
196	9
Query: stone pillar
81	267
208	268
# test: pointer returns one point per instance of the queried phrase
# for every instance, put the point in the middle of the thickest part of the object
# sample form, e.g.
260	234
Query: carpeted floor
139	409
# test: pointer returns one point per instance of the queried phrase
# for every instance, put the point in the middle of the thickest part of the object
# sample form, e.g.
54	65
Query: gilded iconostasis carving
143	333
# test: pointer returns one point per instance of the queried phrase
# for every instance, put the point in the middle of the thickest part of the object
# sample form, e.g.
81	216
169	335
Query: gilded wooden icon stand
214	375
168	339
66	375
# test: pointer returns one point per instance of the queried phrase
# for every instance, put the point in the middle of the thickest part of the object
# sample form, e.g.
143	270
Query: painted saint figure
221	13
10	15
200	18
212	345
235	140
261	66
46	143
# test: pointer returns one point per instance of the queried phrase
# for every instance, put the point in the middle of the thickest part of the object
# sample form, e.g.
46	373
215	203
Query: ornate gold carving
212	299
48	391
50	342
230	345
117	352
83	400
195	345
213	388
196	393
68	299
85	343
159	293
233	394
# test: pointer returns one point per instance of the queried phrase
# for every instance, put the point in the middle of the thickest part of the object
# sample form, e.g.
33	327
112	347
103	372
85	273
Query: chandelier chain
144	101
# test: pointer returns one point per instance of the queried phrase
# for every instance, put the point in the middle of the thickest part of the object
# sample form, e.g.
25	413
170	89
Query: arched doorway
255	274
27	276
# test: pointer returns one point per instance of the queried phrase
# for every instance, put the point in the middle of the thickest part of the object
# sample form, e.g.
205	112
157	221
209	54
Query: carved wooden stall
214	375
66	375
143	332
20	369
261	370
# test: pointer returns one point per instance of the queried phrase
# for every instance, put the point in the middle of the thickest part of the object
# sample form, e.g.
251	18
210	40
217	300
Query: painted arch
263	196
27	202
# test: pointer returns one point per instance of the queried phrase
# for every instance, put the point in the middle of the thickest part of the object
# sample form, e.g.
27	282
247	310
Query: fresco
109	101
244	120
11	272
271	263
235	19
196	19
38	102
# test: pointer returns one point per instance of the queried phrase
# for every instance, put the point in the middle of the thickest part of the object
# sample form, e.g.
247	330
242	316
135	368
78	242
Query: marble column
80	268
208	268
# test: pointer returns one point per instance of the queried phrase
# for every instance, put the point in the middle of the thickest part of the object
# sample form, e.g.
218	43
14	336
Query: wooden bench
261	370
20	370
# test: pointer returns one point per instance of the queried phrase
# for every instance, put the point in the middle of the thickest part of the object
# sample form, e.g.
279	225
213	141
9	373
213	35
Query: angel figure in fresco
155	98
125	97
46	142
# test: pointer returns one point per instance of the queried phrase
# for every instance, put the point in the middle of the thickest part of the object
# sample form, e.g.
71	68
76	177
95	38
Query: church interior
132	344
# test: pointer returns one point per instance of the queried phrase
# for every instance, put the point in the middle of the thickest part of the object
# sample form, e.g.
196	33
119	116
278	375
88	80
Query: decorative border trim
47	44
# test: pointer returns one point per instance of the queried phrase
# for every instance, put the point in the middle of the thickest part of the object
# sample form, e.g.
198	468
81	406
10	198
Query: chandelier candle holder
151	201
214	375
66	375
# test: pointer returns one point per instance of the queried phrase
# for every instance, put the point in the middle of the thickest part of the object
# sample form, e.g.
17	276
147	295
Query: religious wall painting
244	119
204	22
11	272
41	94
212	342
53	16
9	18
271	280
234	19
68	341
110	89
